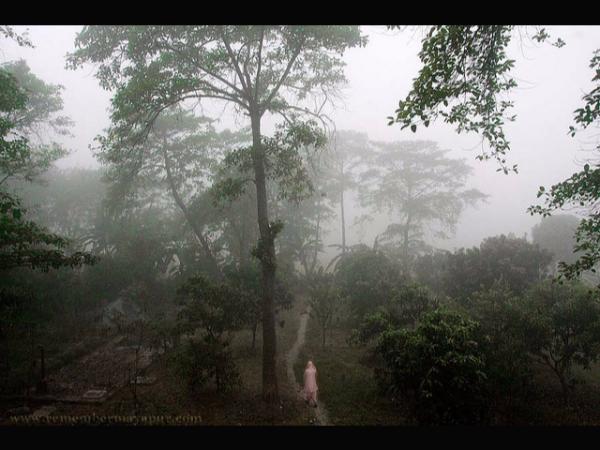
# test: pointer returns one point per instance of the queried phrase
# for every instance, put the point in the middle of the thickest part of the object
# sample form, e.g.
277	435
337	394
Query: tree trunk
243	237
318	227
266	254
246	232
560	374
342	214
254	335
218	374
406	246
406	240
564	386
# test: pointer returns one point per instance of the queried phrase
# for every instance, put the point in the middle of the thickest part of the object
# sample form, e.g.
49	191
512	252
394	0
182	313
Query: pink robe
310	384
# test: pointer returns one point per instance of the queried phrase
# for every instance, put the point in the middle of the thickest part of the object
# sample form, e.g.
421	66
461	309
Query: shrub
437	368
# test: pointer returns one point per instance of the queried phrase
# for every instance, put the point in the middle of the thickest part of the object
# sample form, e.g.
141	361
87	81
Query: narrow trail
320	411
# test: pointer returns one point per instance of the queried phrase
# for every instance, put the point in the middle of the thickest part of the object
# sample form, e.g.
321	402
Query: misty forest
300	225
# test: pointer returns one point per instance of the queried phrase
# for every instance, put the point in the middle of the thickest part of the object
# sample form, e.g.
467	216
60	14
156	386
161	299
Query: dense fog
551	83
300	225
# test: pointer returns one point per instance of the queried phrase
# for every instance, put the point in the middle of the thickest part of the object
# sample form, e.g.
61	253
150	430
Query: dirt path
320	411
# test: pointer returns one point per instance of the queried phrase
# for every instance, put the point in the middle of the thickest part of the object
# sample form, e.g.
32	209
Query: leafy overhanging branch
466	79
24	243
582	189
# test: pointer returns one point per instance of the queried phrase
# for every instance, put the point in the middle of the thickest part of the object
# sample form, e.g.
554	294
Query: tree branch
260	47
207	71
284	76
235	65
186	213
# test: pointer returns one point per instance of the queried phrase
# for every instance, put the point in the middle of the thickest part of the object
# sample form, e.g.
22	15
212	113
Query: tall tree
256	69
346	147
28	105
418	185
175	162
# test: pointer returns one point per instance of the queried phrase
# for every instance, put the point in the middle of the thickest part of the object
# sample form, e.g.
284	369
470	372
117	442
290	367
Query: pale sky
551	84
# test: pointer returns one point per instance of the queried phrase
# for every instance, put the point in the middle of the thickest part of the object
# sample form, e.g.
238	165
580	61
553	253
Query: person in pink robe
310	384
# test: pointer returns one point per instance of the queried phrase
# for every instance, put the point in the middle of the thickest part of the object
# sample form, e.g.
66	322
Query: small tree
246	282
431	269
217	310
200	362
498	311
561	324
325	300
366	278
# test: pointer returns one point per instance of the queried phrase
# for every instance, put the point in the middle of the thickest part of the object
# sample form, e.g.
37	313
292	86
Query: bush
437	368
